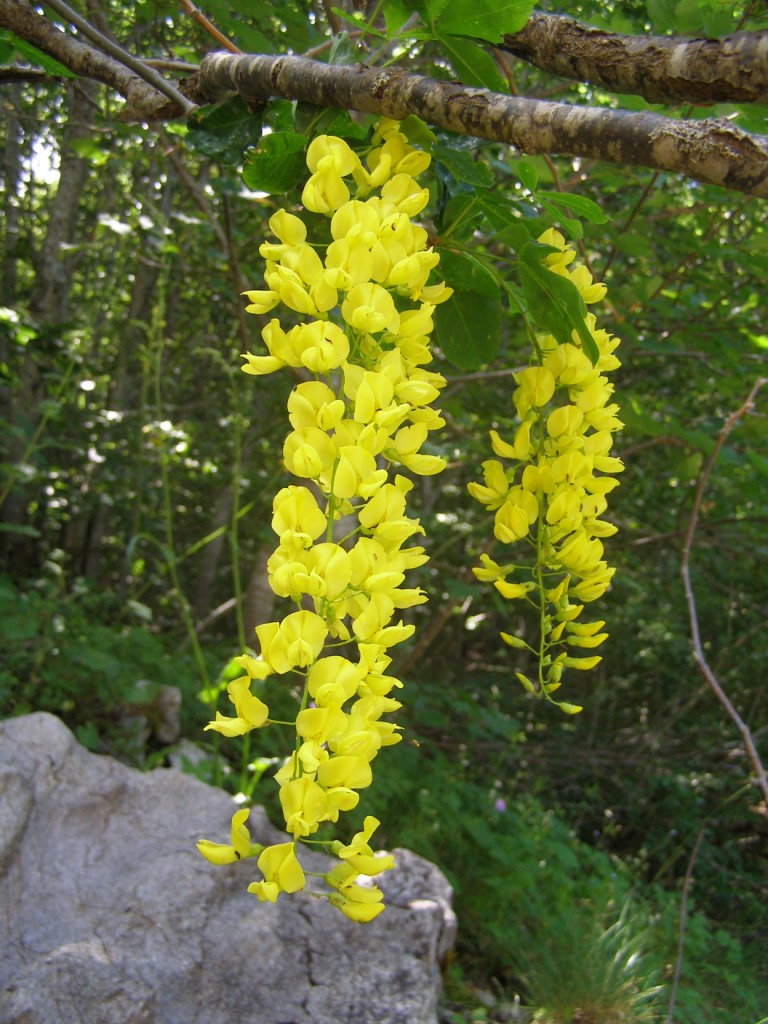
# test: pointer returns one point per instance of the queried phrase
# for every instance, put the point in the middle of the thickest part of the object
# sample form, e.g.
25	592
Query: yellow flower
363	913
304	805
320	346
296	518
282	872
564	440
334	680
241	846
514	518
261	302
370	402
252	713
347	770
295	642
494	490
309	452
370	308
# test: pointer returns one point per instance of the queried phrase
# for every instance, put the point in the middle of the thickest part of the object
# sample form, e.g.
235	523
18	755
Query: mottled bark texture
662	69
712	151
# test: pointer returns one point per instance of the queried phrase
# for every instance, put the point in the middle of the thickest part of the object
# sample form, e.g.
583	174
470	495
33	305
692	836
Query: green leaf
97	661
462	167
466	273
459	217
35	56
430	10
469	329
396	13
580	205
25	531
224	132
18	627
277	165
310	120
485	19
418	131
473	64
91	150
528	175
469	323
504	220
573	227
554	302
343	51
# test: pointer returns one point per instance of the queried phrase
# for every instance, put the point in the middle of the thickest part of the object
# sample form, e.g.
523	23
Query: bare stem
209	27
698	649
681	927
108	46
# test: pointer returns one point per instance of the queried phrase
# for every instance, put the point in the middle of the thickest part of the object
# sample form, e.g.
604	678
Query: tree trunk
49	305
259	601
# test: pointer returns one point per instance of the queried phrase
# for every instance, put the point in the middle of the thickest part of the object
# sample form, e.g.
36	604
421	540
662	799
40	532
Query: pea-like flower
364	297
549	486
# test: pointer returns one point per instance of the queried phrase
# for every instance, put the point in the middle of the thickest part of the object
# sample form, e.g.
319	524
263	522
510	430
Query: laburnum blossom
360	418
240	846
548	491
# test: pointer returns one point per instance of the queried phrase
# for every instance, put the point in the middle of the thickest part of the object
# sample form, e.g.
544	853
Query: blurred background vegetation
139	466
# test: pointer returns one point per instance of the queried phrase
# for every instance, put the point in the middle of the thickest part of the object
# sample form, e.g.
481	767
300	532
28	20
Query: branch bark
712	151
661	69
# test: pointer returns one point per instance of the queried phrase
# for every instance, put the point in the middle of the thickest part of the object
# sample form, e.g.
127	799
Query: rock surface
108	915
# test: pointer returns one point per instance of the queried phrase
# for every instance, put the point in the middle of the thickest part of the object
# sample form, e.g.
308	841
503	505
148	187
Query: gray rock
108	915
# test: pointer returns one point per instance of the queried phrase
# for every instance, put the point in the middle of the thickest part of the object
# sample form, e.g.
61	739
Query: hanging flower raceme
548	489
361	413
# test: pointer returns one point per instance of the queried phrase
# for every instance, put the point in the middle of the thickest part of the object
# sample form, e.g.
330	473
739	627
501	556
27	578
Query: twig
681	929
211	29
698	650
137	66
17	73
334	22
630	220
188	181
160	64
459	378
710	524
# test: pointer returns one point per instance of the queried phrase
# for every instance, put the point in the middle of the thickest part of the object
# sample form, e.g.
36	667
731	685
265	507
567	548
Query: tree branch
143	101
761	777
681	928
115	50
661	69
712	151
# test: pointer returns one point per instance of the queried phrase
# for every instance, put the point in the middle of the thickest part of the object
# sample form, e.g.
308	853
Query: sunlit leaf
473	64
469	323
580	205
554	302
35	56
462	167
277	164
485	19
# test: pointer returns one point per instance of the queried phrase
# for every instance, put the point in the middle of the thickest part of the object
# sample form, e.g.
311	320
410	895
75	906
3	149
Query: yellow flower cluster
552	493
363	407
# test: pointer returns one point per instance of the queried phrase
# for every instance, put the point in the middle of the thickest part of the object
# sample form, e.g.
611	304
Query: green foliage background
140	464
